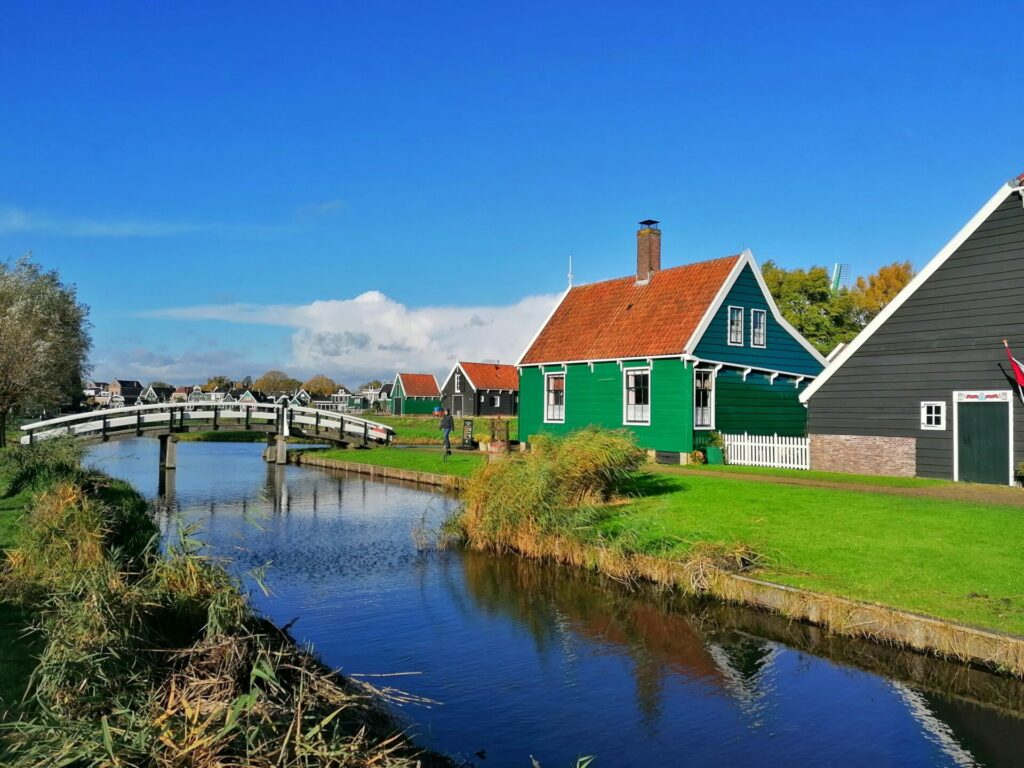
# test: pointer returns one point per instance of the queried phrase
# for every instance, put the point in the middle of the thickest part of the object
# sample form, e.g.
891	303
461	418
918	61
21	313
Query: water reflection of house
659	641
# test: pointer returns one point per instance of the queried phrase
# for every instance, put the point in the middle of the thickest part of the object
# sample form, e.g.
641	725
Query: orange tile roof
492	375
419	385
618	319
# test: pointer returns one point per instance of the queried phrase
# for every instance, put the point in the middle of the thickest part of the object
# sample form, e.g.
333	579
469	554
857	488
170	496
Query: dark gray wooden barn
481	389
927	388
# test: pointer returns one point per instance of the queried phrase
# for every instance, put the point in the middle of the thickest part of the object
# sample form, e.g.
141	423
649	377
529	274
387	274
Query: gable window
637	382
495	401
758	328
458	383
703	399
554	397
933	415
735	326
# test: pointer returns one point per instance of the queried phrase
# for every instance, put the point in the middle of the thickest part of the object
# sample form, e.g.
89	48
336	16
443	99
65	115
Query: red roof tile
419	385
618	319
492	375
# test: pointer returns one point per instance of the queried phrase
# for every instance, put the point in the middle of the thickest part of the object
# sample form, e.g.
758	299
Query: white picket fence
768	451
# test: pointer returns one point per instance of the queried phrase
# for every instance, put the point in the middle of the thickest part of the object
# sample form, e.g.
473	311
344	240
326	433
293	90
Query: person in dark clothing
447	425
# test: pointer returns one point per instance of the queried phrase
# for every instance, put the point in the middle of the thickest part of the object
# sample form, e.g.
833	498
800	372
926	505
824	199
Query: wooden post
216	411
168	452
281	453
104	433
248	414
316	428
366	433
138	423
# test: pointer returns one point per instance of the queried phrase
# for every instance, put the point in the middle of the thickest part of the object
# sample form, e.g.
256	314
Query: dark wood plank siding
469	396
947	336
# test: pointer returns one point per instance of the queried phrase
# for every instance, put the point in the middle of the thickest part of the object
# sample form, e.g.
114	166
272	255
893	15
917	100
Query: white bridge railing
768	451
181	417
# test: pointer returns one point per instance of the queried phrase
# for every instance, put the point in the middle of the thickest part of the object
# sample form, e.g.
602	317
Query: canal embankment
933	575
415	465
153	655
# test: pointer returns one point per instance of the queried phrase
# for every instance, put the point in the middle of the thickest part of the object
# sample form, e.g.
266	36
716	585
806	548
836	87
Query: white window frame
764	328
496	401
728	326
545	398
711	400
626	370
941	405
458	383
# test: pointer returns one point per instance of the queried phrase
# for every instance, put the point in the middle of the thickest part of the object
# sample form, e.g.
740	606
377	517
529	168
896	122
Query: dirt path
972	493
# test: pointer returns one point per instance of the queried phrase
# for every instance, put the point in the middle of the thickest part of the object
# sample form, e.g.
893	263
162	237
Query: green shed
414	393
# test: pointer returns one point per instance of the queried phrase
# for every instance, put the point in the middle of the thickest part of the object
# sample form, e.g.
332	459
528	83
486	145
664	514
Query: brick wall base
865	454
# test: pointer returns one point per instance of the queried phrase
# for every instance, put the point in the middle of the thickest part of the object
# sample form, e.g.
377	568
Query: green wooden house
669	354
414	393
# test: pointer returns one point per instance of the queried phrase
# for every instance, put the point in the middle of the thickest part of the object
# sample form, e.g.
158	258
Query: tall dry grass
557	488
156	659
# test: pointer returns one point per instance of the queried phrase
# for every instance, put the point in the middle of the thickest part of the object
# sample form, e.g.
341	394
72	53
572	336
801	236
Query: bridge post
281	450
168	451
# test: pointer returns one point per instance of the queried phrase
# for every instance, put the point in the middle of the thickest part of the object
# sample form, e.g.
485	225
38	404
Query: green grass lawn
460	463
422	430
803	474
944	558
16	651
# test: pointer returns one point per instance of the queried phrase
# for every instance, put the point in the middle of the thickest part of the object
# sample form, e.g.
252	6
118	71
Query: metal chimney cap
649	223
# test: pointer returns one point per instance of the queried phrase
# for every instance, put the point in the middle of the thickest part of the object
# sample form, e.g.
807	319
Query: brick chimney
648	250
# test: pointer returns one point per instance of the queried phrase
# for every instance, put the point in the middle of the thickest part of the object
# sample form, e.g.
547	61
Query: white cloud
18	220
373	335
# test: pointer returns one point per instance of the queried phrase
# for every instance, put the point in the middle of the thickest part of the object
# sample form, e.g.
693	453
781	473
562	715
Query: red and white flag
1018	370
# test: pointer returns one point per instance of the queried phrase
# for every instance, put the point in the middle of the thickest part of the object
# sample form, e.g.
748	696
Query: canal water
528	659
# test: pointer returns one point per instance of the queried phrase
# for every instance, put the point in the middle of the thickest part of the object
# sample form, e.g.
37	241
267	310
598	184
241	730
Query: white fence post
768	451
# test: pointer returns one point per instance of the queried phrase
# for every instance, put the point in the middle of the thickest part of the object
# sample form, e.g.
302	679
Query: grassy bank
18	657
422	430
232	436
156	659
459	464
942	558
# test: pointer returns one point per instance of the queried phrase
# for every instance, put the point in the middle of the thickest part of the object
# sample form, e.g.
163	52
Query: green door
984	449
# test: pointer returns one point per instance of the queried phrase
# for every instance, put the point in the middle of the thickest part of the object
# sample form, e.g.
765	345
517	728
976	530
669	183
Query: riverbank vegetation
459	464
155	658
948	559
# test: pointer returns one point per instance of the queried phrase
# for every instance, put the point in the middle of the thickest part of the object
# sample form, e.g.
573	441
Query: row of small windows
758	327
636	397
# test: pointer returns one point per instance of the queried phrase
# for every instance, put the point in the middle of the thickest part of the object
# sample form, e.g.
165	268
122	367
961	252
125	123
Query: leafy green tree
873	292
806	300
320	385
159	384
44	340
276	381
216	382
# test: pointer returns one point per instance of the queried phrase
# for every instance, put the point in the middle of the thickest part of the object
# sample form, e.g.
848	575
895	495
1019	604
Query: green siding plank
757	406
782	351
595	398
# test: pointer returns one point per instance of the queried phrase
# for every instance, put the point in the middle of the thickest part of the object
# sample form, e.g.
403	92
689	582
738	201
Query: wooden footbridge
167	420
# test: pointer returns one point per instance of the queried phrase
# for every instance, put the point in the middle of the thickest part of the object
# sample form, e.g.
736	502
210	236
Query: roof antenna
570	270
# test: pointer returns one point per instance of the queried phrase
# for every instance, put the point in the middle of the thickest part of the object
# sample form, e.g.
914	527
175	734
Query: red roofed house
669	354
481	389
414	393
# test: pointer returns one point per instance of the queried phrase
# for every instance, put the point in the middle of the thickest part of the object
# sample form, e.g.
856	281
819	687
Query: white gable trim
747	259
398	380
543	325
911	288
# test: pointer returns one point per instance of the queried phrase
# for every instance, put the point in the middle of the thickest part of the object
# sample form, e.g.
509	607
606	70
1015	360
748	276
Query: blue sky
222	181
